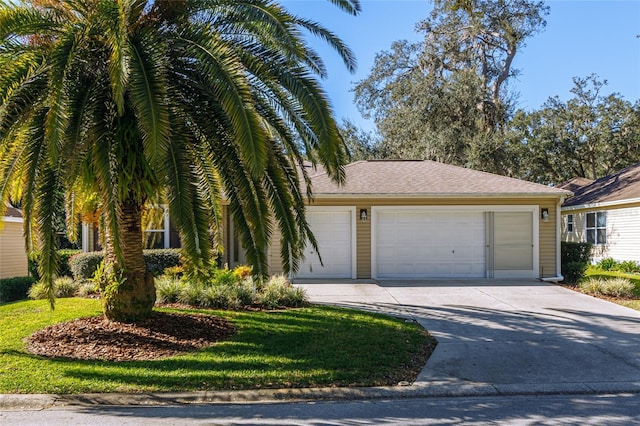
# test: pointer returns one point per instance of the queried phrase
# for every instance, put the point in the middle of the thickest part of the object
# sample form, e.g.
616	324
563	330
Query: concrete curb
419	390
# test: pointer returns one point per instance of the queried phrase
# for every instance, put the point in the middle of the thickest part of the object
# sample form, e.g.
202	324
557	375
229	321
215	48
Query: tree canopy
446	98
128	102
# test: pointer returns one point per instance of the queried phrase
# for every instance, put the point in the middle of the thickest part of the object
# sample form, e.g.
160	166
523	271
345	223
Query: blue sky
581	38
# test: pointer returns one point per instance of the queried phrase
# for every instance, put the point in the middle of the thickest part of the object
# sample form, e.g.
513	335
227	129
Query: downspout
558	276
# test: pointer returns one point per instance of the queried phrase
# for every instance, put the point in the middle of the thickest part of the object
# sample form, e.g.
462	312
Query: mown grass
315	346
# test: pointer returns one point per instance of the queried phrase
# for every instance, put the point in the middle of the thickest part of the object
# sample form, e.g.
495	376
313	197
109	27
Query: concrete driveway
506	336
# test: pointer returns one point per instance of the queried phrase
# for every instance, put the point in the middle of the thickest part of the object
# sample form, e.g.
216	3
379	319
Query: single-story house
606	213
419	219
13	256
423	219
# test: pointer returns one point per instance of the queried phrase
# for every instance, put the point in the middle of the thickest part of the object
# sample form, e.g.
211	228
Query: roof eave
444	195
602	204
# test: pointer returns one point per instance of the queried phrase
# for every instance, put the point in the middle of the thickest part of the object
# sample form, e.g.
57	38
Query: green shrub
190	293
16	288
575	258
64	269
225	277
278	292
88	289
219	297
62	287
629	266
573	272
84	265
65	287
608	264
159	260
575	252
614	287
168	289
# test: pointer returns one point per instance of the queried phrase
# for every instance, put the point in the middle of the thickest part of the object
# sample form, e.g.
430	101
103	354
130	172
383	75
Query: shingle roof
619	186
13	212
574	184
426	178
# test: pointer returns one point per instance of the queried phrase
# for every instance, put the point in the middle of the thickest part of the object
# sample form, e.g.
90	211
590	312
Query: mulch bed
160	336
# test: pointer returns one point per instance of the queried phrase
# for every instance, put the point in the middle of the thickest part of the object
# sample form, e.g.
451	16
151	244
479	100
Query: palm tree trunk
128	291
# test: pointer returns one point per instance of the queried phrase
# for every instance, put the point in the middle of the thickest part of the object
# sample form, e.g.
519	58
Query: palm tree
131	102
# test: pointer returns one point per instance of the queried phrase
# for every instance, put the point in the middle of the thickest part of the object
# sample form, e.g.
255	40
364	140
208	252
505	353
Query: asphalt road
495	410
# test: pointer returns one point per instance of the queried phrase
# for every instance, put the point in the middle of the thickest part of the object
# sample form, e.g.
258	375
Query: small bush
220	297
191	293
159	260
243	271
88	289
168	289
16	288
64	269
278	292
225	277
614	287
573	272
84	265
575	252
608	264
629	266
62	287
174	272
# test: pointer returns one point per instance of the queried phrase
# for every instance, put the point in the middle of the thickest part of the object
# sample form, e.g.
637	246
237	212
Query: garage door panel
333	232
420	243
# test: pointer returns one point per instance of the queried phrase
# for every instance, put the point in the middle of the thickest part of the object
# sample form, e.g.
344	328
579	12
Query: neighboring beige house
13	256
606	212
423	219
419	219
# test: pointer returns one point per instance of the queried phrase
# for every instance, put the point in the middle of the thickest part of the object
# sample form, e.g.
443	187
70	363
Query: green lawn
315	346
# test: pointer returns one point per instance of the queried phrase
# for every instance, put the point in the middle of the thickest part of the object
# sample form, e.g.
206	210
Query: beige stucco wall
13	257
547	230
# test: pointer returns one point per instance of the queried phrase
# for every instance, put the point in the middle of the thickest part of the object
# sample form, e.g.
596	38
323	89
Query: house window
597	228
569	223
156	228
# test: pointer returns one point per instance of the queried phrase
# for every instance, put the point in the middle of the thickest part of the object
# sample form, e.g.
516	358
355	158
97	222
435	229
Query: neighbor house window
597	228
569	223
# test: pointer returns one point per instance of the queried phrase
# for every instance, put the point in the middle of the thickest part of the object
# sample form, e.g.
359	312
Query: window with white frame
155	221
569	223
597	228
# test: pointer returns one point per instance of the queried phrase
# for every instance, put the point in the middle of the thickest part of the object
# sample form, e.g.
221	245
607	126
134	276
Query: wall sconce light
544	215
363	215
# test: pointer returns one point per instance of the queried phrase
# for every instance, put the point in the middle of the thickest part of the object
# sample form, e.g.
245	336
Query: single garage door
334	233
429	244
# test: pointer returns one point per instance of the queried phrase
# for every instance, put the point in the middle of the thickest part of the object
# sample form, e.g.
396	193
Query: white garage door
429	244
333	231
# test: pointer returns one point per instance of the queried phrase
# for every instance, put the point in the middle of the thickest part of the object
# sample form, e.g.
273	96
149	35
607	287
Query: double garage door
425	243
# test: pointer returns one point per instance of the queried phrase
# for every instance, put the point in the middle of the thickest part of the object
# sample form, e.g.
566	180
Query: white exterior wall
623	232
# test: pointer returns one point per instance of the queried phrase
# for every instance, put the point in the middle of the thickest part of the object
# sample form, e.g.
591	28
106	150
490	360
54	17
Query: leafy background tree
130	102
591	135
447	98
451	98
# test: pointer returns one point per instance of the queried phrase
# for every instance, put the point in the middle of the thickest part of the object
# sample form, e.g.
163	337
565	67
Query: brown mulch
162	335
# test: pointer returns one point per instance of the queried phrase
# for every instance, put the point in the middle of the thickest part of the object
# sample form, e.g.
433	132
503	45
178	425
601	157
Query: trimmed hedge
575	252
64	267
17	288
574	259
84	265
